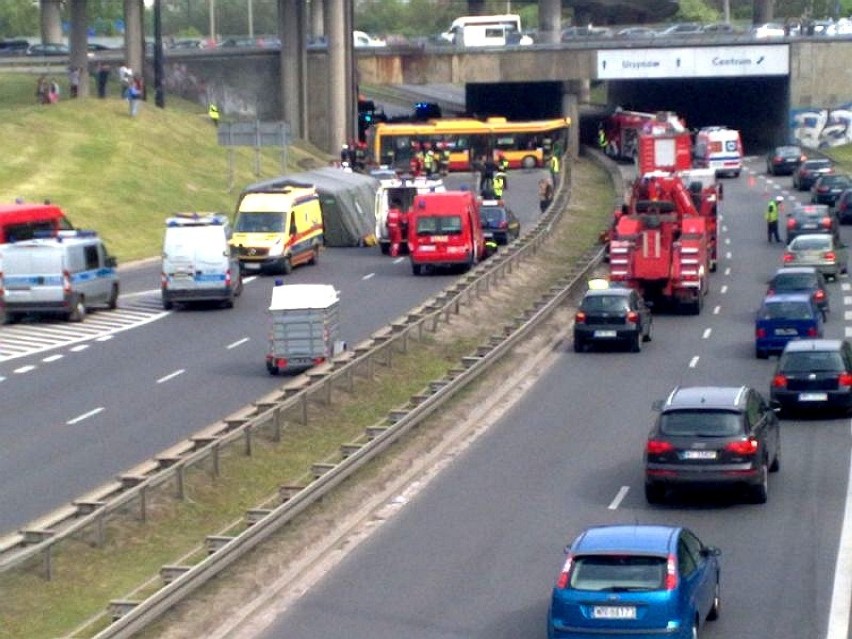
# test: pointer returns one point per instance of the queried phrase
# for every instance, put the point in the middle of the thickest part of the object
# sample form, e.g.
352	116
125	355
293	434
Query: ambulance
718	148
278	228
394	200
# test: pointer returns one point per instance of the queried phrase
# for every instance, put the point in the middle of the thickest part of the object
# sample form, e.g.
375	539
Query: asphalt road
94	402
475	554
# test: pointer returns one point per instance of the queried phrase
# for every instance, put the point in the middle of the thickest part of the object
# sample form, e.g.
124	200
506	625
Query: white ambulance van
199	264
718	148
62	275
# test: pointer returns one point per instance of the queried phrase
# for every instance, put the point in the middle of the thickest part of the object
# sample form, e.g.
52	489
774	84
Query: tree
19	18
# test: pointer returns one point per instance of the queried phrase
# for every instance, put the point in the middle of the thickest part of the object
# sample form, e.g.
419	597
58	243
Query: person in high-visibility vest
213	113
498	185
602	138
772	218
553	165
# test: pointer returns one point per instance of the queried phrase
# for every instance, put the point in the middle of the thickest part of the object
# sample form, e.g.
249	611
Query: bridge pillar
291	26
570	109
335	25
550	20
78	39
316	9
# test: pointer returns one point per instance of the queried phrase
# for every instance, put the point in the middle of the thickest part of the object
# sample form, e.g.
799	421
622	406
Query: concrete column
476	8
550	20
292	76
338	42
351	73
51	21
79	44
134	44
316	9
571	110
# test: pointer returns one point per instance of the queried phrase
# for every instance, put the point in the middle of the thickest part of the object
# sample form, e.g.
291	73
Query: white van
718	148
199	263
486	31
401	192
63	275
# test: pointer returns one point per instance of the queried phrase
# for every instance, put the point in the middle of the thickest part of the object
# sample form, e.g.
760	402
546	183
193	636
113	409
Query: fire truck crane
623	128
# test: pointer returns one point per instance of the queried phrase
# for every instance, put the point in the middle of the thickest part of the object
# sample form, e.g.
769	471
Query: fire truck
663	240
623	128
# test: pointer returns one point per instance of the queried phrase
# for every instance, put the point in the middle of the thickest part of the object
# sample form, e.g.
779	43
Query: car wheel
636	344
12	318
385	247
417	269
315	255
760	491
168	305
112	302
272	368
529	162
655	493
78	312
716	608
579	345
761	354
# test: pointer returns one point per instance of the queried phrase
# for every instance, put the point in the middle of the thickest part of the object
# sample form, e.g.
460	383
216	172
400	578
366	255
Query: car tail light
826	222
791	223
760	333
671	573
66	282
580	317
812	332
633	317
658	447
562	582
844	379
819	295
789	257
779	381
829	255
743	447
164	280
770	291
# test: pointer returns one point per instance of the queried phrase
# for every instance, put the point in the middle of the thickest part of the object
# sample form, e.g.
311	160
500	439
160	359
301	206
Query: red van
24	221
444	229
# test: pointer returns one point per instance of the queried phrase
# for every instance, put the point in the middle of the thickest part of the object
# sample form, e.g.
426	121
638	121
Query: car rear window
701	423
818	164
794	281
812	362
439	225
618	573
811	243
786	310
491	215
605	303
789	151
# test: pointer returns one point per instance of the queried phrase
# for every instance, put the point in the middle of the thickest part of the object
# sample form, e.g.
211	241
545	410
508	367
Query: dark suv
811	218
712	436
612	315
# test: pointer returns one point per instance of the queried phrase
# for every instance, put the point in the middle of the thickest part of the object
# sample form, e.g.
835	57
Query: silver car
823	251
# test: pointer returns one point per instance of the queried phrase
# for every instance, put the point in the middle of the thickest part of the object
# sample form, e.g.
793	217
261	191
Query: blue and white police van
64	275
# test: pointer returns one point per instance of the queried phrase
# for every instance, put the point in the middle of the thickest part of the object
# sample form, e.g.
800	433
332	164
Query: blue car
782	318
637	581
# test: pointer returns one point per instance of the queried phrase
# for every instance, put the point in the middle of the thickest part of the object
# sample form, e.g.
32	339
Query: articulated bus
524	144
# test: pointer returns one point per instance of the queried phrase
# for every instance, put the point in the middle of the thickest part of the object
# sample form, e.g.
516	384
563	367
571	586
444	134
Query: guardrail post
249	430
420	330
276	425
388	356
100	529
180	483
404	341
214	454
143	504
48	562
350	379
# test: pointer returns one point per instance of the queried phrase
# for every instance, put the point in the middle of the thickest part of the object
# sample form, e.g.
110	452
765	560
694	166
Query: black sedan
712	436
811	218
828	188
49	49
844	206
498	222
612	315
808	172
812	374
784	160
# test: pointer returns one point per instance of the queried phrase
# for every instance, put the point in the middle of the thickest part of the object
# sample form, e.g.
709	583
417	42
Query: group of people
430	160
354	156
47	89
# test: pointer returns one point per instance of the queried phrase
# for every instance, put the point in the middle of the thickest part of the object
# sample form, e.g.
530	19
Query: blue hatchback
783	318
644	582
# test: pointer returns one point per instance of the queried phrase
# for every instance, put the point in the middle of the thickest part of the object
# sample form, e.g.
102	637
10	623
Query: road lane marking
103	338
619	497
841	593
847	299
707	332
847	315
724	289
52	358
728	270
80	418
368	276
141	293
727	240
846	286
724	229
24	369
716	310
728	255
166	378
398	260
693	362
237	343
78	348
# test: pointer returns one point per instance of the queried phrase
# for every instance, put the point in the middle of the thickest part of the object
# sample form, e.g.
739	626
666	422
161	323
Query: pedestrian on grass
103	78
73	81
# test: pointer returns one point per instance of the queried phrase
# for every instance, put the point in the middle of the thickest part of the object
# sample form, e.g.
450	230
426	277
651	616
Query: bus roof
470	125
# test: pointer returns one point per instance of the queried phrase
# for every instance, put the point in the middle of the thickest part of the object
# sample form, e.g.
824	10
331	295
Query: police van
278	228
718	148
199	264
62	275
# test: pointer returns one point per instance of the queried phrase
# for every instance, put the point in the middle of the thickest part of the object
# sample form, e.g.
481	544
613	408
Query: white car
767	30
363	40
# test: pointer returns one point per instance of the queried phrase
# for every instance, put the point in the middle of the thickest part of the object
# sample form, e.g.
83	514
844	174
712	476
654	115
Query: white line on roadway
619	497
727	240
707	332
724	229
398	260
141	293
847	315
103	338
368	276
846	286
80	418
237	343
728	255
848	331
52	358
724	289
166	378
716	310
841	594
728	270
78	348
693	362
2	379
847	299
24	369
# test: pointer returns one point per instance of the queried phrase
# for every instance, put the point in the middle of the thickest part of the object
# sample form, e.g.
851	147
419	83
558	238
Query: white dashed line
724	289
728	270
104	338
693	362
847	315
399	260
52	358
838	615
619	497
707	332
724	229
2	379
727	240
171	376
728	255
80	418
846	286
368	276
716	310
847	300
24	369
237	343
78	348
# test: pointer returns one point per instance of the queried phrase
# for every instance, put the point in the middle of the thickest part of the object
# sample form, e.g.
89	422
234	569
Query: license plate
809	226
250	266
614	612
699	454
786	331
813	397
426	248
440	238
605	333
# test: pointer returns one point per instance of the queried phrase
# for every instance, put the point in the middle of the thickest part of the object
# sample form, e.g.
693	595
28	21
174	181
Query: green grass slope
119	175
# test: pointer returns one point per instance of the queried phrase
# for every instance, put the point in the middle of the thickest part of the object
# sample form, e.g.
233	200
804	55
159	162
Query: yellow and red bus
526	144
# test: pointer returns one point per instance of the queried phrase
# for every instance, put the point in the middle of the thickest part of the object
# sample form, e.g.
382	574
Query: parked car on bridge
681	29
48	49
767	30
14	47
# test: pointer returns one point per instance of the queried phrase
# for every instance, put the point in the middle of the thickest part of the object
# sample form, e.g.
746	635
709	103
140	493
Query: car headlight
276	249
